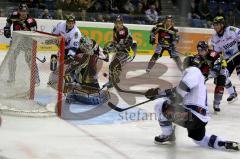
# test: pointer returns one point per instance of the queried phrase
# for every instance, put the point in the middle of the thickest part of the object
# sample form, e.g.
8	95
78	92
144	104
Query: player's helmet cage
169	17
71	18
119	20
86	44
190	61
219	20
22	6
202	45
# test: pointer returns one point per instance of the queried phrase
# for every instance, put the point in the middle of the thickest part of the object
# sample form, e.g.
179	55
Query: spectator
76	5
59	14
156	3
231	19
194	15
128	7
151	14
45	14
86	4
139	14
220	12
2	13
67	5
205	13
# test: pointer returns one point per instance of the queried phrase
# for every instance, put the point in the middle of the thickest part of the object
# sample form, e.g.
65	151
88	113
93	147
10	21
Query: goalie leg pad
91	99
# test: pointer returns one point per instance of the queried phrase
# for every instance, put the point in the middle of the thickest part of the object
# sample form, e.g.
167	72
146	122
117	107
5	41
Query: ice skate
216	108
165	139
229	145
147	70
233	97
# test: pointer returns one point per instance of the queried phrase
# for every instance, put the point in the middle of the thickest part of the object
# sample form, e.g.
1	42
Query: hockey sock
209	141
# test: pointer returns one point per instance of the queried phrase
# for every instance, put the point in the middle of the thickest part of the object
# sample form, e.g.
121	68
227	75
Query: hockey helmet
169	17
119	20
202	45
219	20
190	61
71	18
22	6
86	44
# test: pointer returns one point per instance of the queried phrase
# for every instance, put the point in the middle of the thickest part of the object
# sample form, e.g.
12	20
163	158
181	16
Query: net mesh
23	80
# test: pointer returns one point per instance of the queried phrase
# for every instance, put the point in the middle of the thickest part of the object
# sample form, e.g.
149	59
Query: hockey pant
174	113
220	81
158	53
234	64
115	67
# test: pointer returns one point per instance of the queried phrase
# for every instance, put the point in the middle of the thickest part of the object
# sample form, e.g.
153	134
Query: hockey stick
41	60
125	91
114	107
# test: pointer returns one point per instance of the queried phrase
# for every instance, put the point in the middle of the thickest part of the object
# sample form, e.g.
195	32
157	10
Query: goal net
24	74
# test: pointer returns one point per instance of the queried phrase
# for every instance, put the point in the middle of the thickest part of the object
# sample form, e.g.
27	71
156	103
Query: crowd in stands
201	12
133	11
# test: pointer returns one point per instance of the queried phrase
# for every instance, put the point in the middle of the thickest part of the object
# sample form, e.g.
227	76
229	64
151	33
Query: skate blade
234	100
236	147
168	143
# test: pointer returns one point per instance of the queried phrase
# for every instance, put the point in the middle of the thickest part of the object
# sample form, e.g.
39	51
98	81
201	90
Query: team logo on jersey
229	45
76	35
213	54
121	32
30	20
233	29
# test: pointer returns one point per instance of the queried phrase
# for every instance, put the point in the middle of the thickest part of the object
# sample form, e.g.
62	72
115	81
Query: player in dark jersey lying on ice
186	105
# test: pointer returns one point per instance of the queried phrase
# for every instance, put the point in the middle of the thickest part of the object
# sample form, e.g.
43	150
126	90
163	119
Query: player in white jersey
226	41
71	33
186	105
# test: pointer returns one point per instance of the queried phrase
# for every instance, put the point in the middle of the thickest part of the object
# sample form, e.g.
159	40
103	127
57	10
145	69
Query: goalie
81	76
21	21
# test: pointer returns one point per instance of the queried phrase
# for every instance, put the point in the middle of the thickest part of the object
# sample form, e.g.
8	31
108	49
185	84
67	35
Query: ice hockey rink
113	135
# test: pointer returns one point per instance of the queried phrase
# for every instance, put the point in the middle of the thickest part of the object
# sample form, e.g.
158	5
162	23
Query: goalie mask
86	45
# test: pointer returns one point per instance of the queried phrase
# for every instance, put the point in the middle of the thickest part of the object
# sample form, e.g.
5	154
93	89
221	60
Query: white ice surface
53	138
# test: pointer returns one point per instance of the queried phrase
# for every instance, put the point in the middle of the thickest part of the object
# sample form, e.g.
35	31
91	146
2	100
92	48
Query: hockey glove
152	39
152	93
7	32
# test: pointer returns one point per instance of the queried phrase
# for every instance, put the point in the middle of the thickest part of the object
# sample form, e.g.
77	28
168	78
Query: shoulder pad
76	35
15	13
231	28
